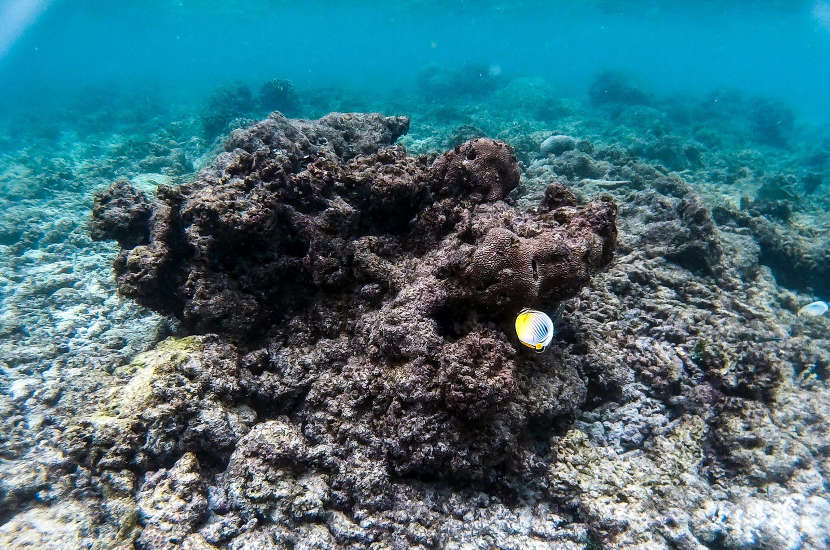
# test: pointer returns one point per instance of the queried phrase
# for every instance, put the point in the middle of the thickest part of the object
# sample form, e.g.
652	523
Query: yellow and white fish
534	329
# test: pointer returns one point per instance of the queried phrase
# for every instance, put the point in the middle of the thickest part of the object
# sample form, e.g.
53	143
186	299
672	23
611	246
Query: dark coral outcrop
480	169
279	95
232	250
224	105
122	213
616	88
291	211
369	296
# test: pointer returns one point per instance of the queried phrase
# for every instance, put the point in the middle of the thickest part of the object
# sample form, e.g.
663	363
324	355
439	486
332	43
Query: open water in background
184	49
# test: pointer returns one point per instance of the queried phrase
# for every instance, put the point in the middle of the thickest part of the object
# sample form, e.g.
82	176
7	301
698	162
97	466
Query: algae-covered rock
183	395
68	524
373	296
557	144
123	214
615	490
272	475
799	259
746	435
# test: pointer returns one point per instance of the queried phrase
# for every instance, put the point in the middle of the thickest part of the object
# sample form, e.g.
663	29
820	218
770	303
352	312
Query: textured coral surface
379	289
362	309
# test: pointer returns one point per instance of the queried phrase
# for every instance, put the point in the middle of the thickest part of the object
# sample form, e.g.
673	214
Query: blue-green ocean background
181	50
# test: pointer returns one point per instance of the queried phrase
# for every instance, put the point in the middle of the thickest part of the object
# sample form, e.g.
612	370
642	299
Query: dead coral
122	213
373	295
483	169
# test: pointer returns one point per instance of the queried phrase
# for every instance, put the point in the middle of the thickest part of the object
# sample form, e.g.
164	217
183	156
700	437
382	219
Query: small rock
557	144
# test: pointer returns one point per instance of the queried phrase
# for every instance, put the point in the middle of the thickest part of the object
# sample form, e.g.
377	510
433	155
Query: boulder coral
290	216
353	298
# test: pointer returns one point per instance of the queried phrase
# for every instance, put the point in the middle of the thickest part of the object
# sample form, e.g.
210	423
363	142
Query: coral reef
799	260
470	80
615	88
383	401
390	368
279	95
405	277
772	122
463	133
266	250
121	213
223	106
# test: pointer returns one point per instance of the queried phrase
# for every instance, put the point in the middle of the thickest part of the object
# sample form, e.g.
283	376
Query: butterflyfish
534	329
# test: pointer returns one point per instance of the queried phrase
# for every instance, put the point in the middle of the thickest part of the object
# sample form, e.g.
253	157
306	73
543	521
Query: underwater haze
186	48
417	274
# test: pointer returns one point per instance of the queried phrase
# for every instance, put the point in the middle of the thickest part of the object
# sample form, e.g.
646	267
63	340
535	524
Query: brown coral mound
370	293
121	213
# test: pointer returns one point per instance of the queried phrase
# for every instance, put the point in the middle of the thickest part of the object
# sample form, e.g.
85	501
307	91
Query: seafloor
297	335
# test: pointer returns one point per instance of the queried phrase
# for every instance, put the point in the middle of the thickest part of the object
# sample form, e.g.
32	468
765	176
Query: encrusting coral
363	300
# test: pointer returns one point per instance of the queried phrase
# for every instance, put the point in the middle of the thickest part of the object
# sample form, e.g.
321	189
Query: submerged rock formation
288	218
362	302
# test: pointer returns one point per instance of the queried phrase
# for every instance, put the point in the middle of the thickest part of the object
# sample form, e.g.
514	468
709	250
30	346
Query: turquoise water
682	401
184	49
